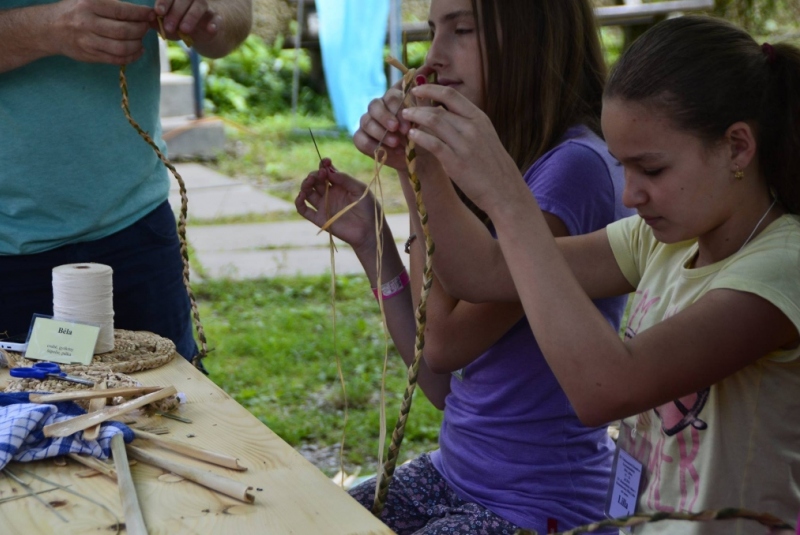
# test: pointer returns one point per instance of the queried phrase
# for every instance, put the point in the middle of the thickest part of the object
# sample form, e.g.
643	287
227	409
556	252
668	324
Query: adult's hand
194	18
98	31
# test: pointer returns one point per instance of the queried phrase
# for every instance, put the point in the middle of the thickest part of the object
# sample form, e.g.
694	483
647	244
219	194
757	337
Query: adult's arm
95	31
215	26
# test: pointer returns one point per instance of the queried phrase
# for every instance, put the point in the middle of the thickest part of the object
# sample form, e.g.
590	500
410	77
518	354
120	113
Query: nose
633	195
436	58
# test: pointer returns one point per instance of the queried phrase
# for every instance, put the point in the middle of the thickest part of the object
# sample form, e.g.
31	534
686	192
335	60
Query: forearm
23	35
399	311
469	262
554	303
237	19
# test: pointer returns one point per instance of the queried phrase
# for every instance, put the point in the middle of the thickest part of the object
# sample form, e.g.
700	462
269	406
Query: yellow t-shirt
737	443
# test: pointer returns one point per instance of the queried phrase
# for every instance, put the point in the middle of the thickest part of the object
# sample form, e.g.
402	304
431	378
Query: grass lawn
274	353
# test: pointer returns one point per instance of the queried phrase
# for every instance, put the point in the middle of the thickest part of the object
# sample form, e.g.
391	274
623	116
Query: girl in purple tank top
513	454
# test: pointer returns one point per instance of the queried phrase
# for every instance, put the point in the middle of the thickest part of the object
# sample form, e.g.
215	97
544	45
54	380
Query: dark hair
544	71
706	74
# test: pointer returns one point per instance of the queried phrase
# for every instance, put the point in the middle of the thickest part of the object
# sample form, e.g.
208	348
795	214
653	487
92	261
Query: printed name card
627	477
65	342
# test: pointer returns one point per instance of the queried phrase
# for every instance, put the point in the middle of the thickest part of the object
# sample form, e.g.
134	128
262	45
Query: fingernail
161	9
421	80
170	26
392	123
212	27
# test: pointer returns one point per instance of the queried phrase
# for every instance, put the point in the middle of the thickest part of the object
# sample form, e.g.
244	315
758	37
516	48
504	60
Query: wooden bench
633	14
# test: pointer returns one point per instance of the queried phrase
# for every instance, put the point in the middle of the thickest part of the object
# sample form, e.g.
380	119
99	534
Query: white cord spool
85	293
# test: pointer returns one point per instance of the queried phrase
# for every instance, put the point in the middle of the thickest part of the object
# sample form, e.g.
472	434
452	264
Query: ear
741	139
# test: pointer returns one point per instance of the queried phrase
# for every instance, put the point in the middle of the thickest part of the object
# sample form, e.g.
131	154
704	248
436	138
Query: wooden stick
221	484
194	452
134	521
79	423
94	464
127	391
95	404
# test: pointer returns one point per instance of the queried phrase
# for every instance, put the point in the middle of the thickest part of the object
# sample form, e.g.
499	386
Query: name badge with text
65	342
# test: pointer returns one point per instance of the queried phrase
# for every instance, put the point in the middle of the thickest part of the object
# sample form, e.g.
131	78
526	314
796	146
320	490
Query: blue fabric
149	294
352	34
71	167
22	438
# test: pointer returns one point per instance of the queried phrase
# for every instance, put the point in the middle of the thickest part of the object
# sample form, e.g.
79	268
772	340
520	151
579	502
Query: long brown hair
706	74
544	71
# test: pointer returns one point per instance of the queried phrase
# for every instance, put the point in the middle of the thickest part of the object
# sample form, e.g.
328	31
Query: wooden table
291	495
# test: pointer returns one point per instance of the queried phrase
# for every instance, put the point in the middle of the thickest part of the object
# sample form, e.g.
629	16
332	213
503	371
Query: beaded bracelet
409	241
394	286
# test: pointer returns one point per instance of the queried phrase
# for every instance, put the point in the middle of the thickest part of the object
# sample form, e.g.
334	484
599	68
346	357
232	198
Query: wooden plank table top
291	495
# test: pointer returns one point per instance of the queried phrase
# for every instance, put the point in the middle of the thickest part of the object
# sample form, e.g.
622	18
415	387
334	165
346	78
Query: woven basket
133	351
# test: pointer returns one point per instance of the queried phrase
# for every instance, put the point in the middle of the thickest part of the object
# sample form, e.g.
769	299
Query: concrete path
255	250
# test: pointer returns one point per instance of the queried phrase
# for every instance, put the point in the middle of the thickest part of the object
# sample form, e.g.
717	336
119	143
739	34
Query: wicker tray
134	351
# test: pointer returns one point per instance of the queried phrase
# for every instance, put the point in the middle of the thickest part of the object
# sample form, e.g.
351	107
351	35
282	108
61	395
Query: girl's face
679	186
455	52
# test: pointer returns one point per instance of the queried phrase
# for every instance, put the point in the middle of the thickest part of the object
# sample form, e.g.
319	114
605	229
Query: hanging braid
201	335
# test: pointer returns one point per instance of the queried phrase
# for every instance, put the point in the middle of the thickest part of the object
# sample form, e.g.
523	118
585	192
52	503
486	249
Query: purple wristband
394	286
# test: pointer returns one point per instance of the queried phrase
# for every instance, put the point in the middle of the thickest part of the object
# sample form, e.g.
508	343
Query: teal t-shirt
72	169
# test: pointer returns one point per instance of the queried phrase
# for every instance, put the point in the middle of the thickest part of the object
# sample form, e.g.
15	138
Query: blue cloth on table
22	437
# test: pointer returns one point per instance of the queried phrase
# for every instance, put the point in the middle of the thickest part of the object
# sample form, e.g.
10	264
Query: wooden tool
128	391
79	423
94	464
221	484
220	459
134	521
95	405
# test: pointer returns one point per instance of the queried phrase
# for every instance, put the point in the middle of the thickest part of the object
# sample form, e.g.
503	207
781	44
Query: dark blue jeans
149	294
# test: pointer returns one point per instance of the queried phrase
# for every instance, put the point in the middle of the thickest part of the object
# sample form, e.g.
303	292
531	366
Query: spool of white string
85	293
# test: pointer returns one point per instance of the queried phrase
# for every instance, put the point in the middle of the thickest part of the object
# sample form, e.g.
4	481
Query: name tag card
65	342
624	491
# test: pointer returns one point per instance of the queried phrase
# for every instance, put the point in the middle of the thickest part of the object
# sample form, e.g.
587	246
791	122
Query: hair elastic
769	51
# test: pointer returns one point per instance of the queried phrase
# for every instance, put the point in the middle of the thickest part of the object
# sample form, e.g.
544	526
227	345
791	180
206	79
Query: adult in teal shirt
78	184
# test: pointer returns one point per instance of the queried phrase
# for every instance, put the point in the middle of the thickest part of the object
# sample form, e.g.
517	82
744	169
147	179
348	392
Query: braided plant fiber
704	516
385	478
201	335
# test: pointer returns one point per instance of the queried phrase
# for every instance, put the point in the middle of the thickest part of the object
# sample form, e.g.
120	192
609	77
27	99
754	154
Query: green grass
277	153
274	353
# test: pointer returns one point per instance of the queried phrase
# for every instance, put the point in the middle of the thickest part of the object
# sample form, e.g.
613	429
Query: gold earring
739	174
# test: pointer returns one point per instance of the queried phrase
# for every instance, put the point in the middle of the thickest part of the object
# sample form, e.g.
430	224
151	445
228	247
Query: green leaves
254	81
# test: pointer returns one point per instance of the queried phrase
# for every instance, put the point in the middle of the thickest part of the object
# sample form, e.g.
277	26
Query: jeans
149	294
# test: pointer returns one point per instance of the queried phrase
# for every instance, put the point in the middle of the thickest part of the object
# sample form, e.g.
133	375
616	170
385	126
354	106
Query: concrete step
177	94
187	137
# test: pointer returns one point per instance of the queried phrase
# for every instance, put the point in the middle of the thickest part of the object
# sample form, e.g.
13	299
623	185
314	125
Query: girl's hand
357	226
383	118
465	142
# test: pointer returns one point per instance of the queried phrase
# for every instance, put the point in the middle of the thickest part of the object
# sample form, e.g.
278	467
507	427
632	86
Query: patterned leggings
420	502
